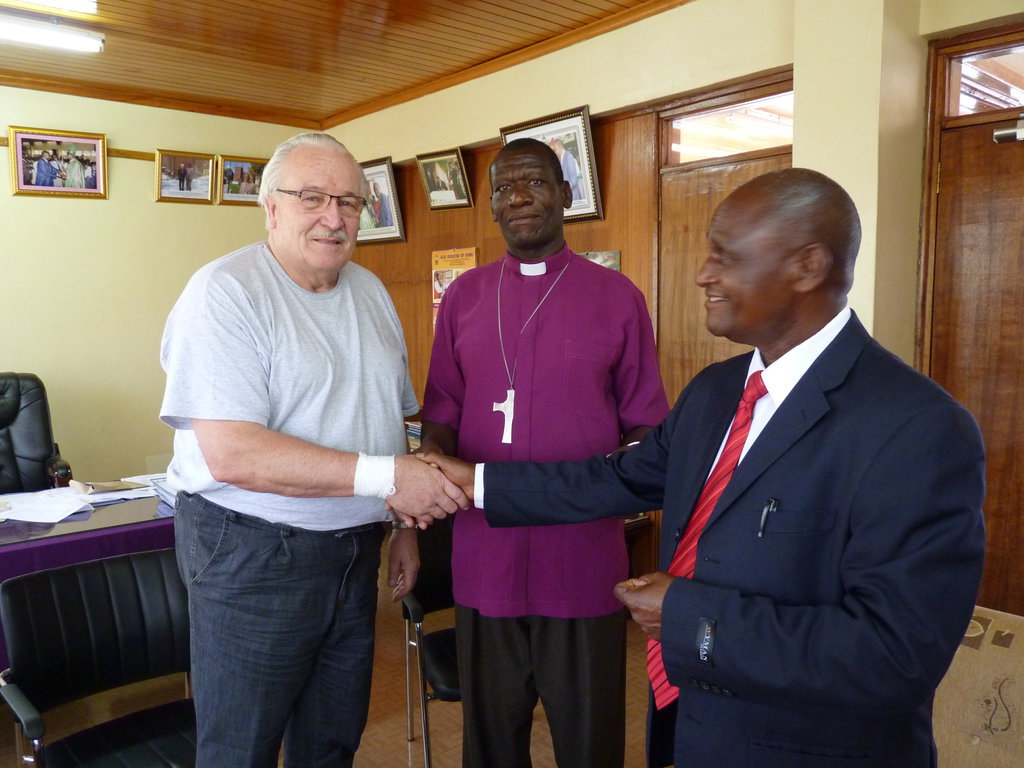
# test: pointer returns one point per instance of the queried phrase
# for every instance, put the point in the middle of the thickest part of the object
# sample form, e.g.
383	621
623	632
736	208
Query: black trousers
576	667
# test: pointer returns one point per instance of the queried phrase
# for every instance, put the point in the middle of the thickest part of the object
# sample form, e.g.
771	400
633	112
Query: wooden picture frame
184	177
382	218
239	179
53	163
444	180
568	134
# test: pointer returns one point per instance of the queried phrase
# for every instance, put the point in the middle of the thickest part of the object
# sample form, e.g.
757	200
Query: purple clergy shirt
585	373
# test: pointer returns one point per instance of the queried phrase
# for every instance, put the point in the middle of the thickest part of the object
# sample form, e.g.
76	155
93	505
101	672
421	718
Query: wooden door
689	195
977	329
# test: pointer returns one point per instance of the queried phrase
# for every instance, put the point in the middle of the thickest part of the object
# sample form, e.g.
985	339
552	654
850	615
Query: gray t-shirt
245	343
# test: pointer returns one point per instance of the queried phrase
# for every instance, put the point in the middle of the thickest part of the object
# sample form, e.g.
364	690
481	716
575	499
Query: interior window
760	124
987	81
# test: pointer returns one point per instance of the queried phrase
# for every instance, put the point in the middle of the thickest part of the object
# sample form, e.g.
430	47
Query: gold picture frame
381	221
239	179
444	180
568	134
55	163
184	177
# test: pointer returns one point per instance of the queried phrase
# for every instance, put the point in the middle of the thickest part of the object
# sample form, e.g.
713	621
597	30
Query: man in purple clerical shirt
539	356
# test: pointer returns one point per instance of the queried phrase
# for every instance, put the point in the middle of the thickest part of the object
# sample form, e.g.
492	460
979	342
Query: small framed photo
184	177
57	163
381	220
239	179
444	179
568	134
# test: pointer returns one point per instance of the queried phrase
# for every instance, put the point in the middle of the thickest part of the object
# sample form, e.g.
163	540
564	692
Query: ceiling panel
313	64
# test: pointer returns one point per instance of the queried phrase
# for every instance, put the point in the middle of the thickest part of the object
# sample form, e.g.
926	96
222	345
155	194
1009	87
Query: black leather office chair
81	629
437	672
29	458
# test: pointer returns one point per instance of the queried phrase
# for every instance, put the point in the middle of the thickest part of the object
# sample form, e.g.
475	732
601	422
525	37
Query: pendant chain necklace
507	407
501	338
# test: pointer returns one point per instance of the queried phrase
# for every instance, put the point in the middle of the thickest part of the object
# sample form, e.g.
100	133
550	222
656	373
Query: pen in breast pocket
769	506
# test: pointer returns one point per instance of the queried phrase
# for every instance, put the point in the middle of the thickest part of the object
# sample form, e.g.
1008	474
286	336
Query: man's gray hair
313	139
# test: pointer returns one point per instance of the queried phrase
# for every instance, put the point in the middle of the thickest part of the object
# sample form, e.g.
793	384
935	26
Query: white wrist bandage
375	476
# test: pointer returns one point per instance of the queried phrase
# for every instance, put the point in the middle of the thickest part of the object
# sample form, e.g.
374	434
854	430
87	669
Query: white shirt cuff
478	486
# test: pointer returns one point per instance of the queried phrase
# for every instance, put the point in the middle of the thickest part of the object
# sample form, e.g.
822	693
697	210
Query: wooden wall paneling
627	169
970	295
689	195
626	162
977	329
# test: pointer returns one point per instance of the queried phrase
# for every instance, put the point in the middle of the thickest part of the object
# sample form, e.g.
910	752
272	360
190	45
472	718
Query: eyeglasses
317	202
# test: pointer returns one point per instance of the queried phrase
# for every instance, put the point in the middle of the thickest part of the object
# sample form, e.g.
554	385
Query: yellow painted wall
87	284
944	18
702	42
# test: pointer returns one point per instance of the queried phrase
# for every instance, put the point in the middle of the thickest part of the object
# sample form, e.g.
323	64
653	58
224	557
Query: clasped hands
430	487
643	596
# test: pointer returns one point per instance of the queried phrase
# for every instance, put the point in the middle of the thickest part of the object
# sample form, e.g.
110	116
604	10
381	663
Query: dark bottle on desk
58	471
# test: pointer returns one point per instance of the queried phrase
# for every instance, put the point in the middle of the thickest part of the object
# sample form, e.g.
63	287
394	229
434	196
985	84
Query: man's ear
271	209
811	267
566	194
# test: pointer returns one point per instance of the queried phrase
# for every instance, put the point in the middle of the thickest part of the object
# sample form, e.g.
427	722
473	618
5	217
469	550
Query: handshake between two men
455	480
643	596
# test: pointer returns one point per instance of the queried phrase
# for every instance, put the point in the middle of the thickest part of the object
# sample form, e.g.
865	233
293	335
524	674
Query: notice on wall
445	267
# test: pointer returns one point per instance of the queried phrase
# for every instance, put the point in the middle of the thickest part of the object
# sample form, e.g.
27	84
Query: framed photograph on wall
381	220
239	179
184	177
568	134
57	163
444	180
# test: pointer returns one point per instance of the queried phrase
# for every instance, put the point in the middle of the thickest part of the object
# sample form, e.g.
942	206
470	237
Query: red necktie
685	559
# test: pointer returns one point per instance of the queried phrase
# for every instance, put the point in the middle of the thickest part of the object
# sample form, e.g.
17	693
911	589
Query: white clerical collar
533	268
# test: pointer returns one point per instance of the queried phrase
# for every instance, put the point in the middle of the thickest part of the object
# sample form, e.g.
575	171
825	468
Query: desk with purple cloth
114	529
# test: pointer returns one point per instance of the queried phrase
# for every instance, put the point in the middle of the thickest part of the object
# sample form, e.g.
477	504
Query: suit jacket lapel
804	407
716	405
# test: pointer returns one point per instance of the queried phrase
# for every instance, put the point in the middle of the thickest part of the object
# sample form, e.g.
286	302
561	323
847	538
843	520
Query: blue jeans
282	636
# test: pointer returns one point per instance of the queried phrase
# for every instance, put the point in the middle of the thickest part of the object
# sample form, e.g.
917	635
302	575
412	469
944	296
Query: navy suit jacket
814	635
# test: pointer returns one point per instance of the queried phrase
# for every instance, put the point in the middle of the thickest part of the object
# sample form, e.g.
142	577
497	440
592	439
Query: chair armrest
58	471
412	609
23	709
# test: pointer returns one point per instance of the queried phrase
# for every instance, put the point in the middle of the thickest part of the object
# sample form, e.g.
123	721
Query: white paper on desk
49	506
147	479
115	497
159	483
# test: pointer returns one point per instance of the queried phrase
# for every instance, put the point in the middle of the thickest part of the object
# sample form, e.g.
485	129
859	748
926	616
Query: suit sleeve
908	575
622	484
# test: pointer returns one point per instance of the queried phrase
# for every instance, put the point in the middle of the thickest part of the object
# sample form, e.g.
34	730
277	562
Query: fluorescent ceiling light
50	34
74	6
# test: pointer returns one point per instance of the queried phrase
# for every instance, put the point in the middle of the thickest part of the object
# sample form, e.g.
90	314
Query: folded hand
643	597
422	493
459	472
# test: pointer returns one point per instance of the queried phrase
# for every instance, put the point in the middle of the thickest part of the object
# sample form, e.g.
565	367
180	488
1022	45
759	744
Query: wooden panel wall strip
128	154
131	154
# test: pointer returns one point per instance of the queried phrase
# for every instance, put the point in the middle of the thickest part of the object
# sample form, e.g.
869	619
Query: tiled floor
384	742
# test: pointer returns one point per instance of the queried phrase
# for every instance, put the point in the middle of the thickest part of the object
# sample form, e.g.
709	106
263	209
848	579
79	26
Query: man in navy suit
839	568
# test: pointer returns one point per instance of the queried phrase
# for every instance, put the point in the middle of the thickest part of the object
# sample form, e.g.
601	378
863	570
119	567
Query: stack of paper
159	484
49	506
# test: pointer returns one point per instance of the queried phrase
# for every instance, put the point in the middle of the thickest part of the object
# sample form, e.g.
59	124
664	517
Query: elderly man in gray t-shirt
287	384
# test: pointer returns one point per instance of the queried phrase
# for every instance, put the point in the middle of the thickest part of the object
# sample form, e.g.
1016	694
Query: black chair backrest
433	586
89	627
26	436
